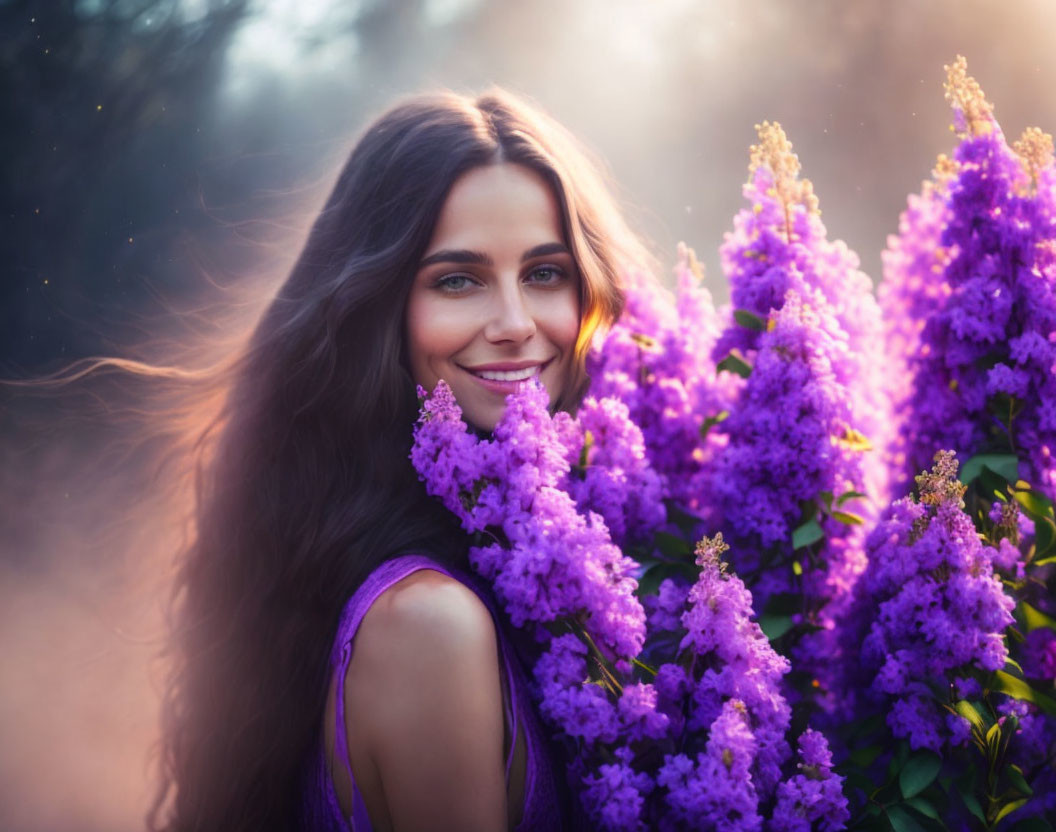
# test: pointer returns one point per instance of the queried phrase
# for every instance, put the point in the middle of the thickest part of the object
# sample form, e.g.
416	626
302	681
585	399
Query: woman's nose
510	318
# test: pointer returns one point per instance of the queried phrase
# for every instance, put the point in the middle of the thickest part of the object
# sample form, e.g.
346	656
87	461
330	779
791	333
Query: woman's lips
506	379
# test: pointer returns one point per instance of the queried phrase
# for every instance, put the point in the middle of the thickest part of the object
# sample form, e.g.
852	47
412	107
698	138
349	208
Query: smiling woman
336	665
496	300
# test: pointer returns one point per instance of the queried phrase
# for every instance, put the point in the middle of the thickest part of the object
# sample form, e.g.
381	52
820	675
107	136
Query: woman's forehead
496	206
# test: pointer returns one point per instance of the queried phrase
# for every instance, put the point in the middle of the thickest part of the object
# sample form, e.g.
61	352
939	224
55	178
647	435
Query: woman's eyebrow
465	257
545	249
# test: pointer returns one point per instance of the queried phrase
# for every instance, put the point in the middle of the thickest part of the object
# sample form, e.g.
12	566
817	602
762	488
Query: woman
468	240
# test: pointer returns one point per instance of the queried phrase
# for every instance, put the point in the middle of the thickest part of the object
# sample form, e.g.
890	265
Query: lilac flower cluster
655	360
610	473
778	245
716	790
912	289
983	375
732	659
933	608
785	431
615	796
548	561
731	691
811	800
813	418
702	739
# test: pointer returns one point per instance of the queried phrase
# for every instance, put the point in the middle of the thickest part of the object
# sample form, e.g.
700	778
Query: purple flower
664	610
993	336
1039	654
610	473
656	361
582	711
812	799
930	605
615	797
813	420
551	562
734	660
639	714
716	791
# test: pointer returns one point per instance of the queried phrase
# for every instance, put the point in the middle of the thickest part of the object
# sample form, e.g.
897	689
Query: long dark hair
303	483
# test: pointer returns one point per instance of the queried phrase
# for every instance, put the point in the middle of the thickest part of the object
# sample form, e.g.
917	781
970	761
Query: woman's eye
546	275
453	282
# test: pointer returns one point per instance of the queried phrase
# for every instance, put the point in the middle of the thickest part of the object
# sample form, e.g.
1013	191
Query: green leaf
784	603
1044	538
918	773
749	320
810	532
848	518
971	801
924	807
775	626
584	453
849	495
686	522
1019	689
902	821
649	583
1008	809
735	363
865	757
1004	465
1034	824
991	484
992	732
826	497
672	545
1010	662
967	710
647	668
797	568
1045	561
1034	504
1016	778
711	421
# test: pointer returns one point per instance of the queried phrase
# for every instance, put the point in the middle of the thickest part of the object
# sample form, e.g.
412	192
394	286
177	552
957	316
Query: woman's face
495	301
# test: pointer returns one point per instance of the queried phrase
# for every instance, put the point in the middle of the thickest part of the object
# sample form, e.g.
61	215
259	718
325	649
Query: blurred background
162	160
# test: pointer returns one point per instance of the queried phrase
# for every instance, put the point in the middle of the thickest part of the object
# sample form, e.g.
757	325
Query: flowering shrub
935	608
630	728
802	466
919	633
655	360
982	370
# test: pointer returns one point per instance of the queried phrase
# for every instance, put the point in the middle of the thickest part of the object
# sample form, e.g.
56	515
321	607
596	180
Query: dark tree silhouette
101	111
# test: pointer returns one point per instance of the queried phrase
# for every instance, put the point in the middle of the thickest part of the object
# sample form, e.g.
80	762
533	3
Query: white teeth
509	375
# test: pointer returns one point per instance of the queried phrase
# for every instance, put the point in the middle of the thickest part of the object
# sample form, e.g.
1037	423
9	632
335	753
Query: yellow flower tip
774	152
945	170
973	114
1035	151
687	260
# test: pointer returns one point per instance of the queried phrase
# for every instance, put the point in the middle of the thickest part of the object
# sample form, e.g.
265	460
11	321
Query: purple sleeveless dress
543	797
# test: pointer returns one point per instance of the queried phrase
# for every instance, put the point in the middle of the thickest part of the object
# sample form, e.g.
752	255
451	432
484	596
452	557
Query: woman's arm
423	687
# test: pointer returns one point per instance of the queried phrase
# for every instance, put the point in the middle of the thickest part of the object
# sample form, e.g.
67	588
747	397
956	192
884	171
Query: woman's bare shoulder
425	638
424	687
424	612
